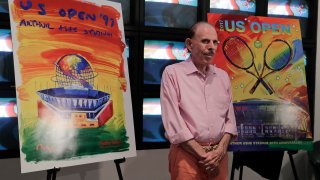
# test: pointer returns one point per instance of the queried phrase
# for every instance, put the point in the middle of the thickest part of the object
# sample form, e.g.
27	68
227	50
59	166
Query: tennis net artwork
265	61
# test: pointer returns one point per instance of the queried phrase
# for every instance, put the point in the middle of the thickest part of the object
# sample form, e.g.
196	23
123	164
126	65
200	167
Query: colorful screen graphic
8	107
158	54
72	83
291	9
6	57
297	8
153	130
167	13
5	40
265	61
127	49
4	7
9	138
244	7
125	5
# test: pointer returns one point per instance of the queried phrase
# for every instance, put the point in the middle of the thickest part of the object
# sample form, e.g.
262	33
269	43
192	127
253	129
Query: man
197	110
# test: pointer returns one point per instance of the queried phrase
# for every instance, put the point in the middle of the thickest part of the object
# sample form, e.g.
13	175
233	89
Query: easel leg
237	161
233	168
241	171
52	173
117	162
293	165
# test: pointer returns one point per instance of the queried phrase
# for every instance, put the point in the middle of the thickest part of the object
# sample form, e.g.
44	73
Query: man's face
203	45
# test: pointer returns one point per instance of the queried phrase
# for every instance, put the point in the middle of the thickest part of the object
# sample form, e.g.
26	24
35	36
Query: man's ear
188	44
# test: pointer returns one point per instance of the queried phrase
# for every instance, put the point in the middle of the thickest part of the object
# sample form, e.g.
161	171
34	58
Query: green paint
88	141
292	145
257	44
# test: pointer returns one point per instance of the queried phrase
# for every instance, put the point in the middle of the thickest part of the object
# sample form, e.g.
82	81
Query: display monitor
127	52
8	107
153	130
125	5
170	13
242	7
298	9
9	138
158	54
6	57
4	7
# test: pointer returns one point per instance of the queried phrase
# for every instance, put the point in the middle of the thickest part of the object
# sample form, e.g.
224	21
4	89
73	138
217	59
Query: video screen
9	138
6	57
291	9
240	7
4	7
125	5
153	130
8	107
126	50
297	8
158	54
170	13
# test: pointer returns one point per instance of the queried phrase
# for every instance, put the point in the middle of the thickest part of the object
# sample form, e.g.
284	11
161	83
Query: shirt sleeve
176	128
231	126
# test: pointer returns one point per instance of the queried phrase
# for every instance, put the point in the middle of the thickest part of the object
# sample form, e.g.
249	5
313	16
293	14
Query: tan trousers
184	166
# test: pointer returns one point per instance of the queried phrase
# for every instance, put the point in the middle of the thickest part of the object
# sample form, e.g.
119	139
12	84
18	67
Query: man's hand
194	148
212	159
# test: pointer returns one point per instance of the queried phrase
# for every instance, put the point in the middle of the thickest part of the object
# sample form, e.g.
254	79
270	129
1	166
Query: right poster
265	61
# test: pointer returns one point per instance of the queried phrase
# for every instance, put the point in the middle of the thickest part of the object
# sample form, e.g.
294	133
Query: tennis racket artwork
276	56
239	54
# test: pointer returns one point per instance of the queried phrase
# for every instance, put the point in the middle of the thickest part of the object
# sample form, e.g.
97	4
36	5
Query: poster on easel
265	61
72	84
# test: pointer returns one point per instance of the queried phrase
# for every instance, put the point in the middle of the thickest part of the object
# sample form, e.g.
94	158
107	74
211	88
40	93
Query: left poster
73	93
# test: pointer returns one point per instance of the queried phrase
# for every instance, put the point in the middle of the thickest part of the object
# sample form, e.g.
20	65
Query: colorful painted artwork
73	93
266	64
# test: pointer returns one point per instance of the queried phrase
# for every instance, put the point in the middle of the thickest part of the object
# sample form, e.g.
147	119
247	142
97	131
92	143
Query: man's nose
212	44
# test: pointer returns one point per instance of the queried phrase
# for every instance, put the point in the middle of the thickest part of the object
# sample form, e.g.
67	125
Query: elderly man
197	110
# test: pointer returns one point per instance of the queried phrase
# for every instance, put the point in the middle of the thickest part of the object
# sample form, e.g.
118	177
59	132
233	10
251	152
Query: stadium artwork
265	61
73	93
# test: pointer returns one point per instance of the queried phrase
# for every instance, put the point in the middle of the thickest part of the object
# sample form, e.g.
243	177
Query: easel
290	153
117	162
52	173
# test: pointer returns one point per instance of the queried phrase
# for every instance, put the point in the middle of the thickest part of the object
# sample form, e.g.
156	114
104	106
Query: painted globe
73	70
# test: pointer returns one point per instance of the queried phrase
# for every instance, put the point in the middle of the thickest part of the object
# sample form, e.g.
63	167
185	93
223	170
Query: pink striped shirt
195	106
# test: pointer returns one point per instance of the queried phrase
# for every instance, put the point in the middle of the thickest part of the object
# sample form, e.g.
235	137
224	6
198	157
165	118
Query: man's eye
205	41
215	42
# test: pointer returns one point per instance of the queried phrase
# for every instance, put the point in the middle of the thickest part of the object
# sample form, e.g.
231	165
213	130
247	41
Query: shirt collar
191	68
